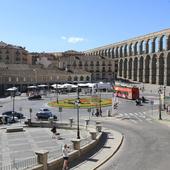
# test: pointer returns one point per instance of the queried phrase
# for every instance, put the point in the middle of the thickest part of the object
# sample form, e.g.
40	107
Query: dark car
45	113
15	114
34	97
4	119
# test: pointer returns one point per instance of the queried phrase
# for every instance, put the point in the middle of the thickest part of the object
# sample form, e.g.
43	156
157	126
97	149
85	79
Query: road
146	142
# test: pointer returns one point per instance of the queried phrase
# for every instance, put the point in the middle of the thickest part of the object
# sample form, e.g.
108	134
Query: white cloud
73	40
63	38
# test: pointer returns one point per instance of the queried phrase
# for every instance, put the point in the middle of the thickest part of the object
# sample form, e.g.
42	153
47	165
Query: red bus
126	92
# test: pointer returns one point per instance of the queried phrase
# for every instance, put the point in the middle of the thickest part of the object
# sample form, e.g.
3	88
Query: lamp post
13	91
164	98
57	91
160	105
13	104
77	103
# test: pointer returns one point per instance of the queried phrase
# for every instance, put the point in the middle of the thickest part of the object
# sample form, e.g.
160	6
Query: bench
15	129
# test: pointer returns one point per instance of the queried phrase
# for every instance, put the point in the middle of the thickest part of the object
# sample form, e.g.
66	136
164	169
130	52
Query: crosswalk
134	117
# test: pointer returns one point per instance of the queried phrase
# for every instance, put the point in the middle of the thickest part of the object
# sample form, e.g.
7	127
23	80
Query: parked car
4	119
45	113
15	114
35	97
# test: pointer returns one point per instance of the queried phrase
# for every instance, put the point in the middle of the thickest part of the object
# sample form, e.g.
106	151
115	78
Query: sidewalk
112	143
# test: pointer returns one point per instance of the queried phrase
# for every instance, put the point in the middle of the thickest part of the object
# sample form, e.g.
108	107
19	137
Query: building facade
11	54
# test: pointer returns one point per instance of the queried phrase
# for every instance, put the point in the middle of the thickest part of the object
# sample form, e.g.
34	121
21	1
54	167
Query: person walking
54	131
65	151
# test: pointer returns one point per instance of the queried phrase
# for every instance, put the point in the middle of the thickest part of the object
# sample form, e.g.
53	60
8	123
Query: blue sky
61	25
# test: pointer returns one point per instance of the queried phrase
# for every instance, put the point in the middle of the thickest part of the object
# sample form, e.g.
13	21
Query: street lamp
57	91
160	104
164	97
13	91
77	103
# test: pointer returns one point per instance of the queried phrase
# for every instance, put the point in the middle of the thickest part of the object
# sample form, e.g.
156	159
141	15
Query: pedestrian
65	151
54	131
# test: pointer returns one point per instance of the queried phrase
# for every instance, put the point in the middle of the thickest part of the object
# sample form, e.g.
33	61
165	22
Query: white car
45	113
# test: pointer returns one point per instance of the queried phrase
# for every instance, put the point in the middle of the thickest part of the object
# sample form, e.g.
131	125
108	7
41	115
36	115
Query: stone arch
75	78
87	78
143	47
149	46
141	69
147	68
163	44
125	50
81	78
125	68
117	52
168	43
130	68
120	67
161	69
168	69
120	52
156	44
135	68
130	49
112	54
153	66
109	52
136	48
69	78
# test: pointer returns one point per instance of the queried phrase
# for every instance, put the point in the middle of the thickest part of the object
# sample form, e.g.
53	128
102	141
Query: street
146	142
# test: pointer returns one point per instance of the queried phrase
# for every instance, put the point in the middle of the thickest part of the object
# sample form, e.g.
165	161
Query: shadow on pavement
87	157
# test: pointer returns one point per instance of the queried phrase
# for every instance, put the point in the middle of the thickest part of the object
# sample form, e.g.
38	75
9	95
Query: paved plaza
18	146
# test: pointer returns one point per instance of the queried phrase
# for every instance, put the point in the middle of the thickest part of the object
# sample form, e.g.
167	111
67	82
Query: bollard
42	157
98	128
51	120
93	135
86	122
108	113
71	122
29	122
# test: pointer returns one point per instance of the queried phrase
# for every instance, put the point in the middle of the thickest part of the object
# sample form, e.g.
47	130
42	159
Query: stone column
132	72
153	46
138	69
168	42
42	157
93	135
160	44
157	71
146	47
118	72
150	71
144	58
123	68
127	71
165	71
76	144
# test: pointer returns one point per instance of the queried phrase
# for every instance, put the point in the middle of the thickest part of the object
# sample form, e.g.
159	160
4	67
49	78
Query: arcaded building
143	59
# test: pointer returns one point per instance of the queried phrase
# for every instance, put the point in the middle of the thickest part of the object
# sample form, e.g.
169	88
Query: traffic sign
60	109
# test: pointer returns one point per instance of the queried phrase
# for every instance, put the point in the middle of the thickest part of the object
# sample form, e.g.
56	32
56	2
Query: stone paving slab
22	145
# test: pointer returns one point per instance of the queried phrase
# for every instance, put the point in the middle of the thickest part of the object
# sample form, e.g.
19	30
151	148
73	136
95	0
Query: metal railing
20	164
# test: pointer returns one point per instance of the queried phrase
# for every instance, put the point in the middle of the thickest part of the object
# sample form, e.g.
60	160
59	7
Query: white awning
12	89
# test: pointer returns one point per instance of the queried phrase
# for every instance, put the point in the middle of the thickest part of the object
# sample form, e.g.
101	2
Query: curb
122	138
